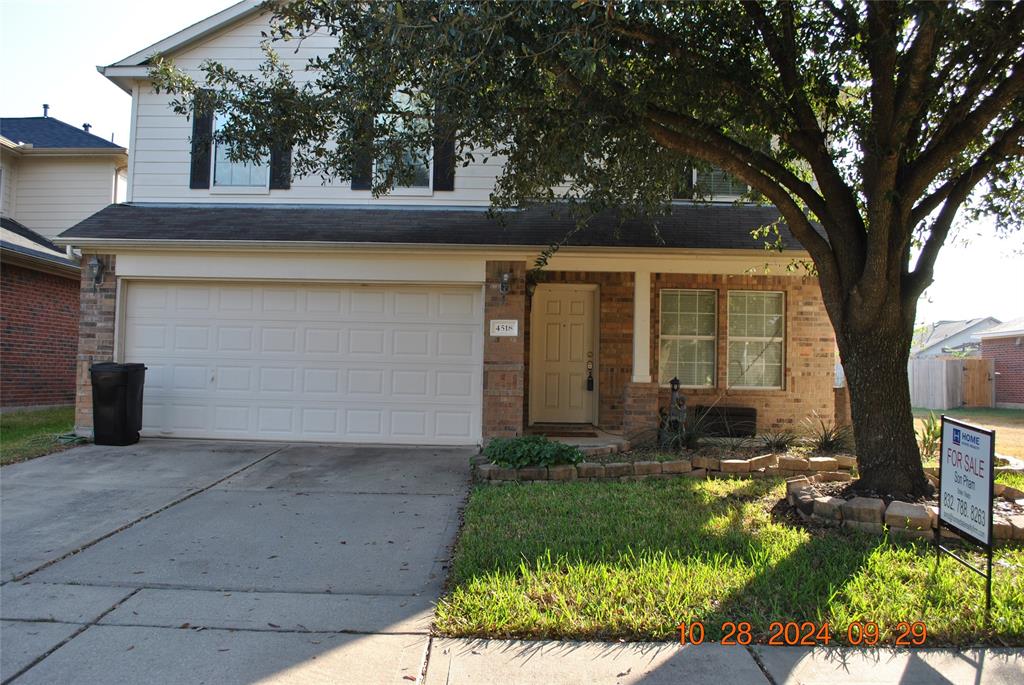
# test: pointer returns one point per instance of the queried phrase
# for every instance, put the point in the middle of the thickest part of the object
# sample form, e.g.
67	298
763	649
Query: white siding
160	144
9	192
55	193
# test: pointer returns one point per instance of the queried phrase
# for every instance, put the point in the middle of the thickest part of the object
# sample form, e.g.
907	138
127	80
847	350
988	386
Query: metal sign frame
984	544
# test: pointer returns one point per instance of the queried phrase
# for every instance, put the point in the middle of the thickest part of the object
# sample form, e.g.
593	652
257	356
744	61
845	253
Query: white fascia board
1011	333
76	152
652	260
189	35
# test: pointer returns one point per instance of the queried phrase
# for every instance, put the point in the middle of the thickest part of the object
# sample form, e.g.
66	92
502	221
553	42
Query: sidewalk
469	662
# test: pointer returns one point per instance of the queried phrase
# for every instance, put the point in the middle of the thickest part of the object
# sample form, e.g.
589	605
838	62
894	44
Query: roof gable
47	132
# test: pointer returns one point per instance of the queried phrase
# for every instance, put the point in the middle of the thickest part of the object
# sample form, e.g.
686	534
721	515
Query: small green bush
680	434
826	436
777	442
530	450
929	438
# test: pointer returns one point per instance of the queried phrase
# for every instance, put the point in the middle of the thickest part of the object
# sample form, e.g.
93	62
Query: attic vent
86	127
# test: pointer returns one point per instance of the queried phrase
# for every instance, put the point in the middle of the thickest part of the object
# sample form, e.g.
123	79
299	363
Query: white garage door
323	363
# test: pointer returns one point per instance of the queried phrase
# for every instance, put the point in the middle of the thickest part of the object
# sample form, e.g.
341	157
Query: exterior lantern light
505	285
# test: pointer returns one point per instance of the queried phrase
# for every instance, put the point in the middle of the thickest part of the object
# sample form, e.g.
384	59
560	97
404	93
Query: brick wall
809	350
504	357
39	324
1008	359
95	335
615	344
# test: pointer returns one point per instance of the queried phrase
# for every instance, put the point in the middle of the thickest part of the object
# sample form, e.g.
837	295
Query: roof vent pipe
46	110
86	127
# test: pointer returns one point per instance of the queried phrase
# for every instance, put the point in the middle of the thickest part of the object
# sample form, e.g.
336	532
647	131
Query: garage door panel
377	364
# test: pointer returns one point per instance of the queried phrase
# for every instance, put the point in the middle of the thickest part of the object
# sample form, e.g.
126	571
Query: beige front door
562	346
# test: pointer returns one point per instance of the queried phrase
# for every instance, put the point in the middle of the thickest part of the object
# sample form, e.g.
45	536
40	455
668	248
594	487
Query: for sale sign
966	473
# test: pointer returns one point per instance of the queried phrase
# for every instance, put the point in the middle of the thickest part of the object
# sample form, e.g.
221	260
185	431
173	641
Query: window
421	171
420	161
687	338
228	174
713	184
756	330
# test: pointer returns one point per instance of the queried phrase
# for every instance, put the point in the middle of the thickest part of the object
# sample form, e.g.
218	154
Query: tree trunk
875	363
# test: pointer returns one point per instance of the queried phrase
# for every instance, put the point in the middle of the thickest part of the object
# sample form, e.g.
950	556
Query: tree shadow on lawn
633	560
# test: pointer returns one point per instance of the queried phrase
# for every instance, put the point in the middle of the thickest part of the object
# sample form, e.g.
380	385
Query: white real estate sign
965	484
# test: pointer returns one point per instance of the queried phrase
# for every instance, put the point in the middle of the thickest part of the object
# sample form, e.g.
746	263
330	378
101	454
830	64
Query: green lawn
28	434
1014	480
633	560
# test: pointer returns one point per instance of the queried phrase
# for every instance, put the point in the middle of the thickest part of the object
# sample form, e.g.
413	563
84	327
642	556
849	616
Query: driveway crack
151	514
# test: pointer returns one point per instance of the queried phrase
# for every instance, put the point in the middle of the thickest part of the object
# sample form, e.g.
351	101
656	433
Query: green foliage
531	450
929	438
777	442
676	434
825	436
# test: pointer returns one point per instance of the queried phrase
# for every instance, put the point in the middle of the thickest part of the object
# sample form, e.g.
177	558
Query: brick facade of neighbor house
615	339
95	334
809	351
1008	358
504	357
39	326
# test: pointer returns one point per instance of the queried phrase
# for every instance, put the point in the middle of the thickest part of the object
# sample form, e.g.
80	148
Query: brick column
95	333
504	357
640	411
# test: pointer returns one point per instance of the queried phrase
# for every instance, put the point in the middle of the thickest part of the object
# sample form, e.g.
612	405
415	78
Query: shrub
530	450
777	441
826	436
929	438
685	433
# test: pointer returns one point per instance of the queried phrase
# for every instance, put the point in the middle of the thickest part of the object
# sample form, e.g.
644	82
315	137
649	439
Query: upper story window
688	337
229	174
756	339
419	160
712	184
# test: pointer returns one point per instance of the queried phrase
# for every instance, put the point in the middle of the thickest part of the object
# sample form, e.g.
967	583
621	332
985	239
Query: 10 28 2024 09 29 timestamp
808	634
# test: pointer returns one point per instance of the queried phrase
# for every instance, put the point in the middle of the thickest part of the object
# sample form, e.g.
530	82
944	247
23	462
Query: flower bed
815	502
833	468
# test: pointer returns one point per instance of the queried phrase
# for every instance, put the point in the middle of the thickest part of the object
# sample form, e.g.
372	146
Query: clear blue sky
49	50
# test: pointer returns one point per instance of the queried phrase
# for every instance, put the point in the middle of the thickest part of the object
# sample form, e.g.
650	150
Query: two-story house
52	175
267	306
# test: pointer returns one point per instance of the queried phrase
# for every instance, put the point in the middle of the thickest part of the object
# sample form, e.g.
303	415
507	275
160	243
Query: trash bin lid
114	367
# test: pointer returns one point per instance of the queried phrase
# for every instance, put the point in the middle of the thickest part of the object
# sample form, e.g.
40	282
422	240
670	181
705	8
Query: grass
28	434
1008	424
1014	480
633	560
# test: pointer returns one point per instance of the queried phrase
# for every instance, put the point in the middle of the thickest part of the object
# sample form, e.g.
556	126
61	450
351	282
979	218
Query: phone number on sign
807	634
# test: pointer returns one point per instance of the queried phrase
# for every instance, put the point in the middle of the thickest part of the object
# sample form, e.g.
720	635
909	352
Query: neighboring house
951	338
38	319
52	175
272	307
55	174
1004	345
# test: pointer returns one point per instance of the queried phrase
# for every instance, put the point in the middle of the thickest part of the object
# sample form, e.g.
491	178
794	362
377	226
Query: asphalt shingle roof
694	226
18	238
47	132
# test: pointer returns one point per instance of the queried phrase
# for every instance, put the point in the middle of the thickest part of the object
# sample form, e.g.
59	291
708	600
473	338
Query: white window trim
233	190
662	335
413	191
745	338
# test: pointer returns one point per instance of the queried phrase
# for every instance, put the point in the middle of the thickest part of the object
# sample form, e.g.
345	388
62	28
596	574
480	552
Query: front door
563	354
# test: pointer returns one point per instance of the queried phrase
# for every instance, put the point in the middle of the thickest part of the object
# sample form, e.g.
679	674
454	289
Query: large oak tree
873	127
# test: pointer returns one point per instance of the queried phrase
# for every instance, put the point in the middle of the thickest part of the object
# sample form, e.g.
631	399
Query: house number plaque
505	328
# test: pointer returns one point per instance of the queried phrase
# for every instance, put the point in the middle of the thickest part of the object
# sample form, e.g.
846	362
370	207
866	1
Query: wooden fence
951	383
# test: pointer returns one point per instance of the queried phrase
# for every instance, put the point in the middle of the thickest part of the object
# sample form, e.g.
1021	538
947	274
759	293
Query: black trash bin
117	402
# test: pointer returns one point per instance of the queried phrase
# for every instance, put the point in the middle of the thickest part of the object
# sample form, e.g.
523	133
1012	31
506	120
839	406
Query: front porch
589	349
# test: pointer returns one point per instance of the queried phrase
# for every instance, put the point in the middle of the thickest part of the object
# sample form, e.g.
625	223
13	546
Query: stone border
907	519
766	466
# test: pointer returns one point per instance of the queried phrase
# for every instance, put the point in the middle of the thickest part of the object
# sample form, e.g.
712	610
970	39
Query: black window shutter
362	165
444	158
281	166
202	143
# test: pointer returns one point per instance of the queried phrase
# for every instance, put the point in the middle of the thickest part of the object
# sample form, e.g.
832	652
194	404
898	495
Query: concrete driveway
223	562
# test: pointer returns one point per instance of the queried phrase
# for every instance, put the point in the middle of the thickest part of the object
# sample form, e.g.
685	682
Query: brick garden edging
871	515
767	466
